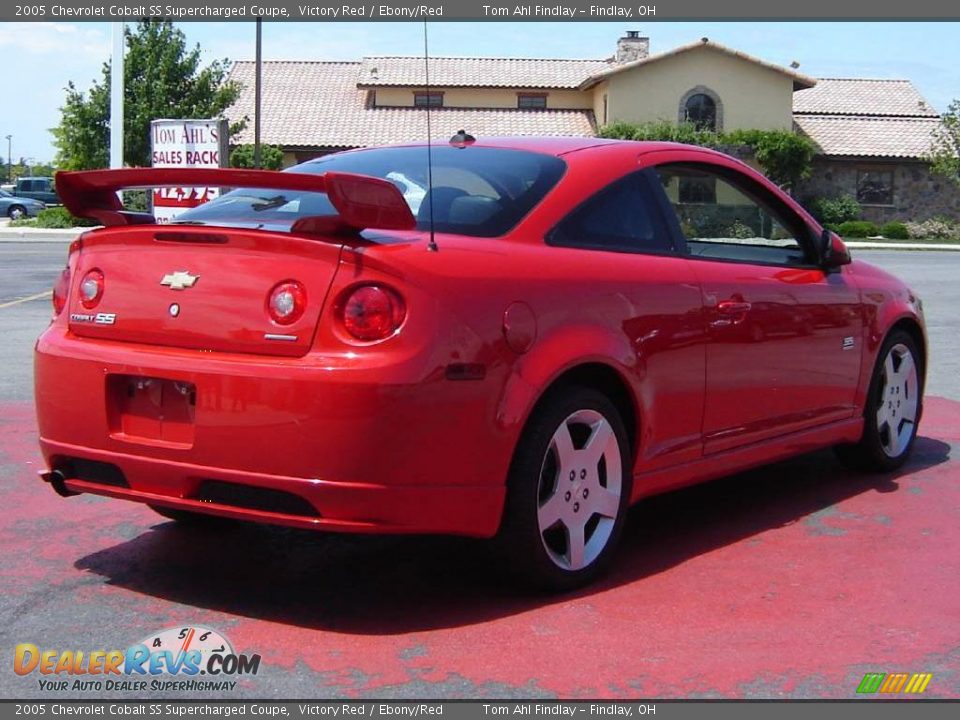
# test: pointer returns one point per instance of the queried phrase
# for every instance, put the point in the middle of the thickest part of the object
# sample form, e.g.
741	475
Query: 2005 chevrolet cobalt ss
519	341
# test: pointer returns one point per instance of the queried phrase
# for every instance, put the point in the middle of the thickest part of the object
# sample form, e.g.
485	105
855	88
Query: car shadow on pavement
387	585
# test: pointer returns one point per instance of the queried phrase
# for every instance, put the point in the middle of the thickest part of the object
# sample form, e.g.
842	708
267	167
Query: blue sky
40	58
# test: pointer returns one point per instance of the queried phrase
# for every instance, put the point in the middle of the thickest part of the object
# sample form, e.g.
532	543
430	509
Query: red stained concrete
788	581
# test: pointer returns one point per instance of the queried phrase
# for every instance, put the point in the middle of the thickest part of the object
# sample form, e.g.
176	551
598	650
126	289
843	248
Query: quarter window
738	222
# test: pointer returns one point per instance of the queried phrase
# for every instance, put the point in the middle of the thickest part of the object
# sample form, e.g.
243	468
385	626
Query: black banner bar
485	10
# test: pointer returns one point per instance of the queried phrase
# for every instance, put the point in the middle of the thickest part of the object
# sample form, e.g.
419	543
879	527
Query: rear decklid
208	287
203	288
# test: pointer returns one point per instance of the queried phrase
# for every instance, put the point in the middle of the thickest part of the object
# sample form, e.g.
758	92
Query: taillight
286	302
60	291
91	289
372	312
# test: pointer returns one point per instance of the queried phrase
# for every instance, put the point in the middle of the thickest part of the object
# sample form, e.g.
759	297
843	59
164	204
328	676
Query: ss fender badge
98	319
848	343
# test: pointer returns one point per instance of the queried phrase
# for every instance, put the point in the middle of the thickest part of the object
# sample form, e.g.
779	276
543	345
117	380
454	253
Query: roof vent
794	64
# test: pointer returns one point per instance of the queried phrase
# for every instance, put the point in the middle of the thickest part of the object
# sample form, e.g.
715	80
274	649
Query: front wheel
568	491
16	212
892	410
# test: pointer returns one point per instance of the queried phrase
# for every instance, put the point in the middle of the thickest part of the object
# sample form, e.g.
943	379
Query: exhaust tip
57	479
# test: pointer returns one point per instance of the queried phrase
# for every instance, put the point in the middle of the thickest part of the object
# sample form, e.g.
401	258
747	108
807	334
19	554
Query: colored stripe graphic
871	682
894	683
918	683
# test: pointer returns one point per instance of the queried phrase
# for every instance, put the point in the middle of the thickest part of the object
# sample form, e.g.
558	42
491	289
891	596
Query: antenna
432	245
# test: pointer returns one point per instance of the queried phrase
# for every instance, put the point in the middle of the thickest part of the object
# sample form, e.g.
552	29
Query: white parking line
27	299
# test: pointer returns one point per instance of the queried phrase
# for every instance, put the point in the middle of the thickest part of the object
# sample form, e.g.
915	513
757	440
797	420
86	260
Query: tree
162	79
271	157
945	151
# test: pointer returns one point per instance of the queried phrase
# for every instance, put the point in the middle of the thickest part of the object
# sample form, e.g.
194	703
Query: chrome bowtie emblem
179	280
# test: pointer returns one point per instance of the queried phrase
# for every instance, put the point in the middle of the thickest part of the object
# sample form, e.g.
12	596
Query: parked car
563	328
16	207
38	188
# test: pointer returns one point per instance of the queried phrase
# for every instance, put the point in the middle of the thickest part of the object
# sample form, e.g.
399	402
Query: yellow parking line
29	298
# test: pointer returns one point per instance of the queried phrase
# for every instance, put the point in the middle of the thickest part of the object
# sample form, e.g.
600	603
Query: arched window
702	107
701	110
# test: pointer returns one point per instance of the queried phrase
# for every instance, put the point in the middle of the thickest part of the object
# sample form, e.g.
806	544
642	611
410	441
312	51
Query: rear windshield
481	192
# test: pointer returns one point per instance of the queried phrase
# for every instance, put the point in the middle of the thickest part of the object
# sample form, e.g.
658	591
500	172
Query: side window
724	218
622	217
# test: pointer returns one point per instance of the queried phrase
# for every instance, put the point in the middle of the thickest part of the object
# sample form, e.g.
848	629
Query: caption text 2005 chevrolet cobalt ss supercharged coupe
517	342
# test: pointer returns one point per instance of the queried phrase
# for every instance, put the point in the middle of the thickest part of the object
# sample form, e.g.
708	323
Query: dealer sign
186	143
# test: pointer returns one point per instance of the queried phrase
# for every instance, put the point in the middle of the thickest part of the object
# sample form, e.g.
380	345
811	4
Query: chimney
632	47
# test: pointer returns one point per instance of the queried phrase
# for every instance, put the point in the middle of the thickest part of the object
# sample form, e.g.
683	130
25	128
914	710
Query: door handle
733	307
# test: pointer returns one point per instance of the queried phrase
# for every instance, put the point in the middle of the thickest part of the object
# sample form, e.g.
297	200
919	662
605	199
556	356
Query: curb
900	246
21	235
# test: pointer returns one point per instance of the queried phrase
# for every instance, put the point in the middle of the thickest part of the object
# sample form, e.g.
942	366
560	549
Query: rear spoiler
361	201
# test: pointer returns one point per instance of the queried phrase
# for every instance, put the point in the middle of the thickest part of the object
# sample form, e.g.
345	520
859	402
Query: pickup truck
38	188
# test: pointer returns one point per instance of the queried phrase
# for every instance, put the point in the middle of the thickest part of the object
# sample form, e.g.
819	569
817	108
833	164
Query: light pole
9	160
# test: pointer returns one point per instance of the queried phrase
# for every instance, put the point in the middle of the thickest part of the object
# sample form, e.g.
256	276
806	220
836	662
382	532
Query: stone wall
917	193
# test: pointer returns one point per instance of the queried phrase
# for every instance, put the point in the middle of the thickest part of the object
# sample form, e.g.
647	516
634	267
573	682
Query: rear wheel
892	410
568	491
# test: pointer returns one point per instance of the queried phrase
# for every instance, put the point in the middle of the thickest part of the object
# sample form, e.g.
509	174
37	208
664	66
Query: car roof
559	146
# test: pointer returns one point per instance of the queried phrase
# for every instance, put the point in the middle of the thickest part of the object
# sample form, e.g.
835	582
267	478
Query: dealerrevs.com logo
187	658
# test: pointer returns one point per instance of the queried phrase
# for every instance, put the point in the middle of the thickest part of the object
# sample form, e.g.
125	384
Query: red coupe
512	337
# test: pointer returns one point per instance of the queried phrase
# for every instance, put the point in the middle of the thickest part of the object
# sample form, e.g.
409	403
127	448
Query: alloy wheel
579	490
898	400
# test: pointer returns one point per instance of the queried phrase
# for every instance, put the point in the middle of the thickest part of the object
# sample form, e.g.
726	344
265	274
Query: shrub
939	228
858	229
271	157
834	211
60	217
740	231
783	155
135	200
895	231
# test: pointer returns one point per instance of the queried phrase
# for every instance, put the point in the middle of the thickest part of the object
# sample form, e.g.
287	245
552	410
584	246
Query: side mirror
833	251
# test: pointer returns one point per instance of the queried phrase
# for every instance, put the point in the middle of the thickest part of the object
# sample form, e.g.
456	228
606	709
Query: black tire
16	211
186	517
878	450
542	558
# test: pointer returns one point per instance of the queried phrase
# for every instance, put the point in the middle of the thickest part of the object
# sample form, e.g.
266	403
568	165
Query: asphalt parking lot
788	581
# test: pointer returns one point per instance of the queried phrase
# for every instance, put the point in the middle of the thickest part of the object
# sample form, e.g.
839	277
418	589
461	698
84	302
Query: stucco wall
752	96
486	97
600	112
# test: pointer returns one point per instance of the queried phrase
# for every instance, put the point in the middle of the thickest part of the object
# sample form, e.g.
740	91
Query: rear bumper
388	448
341	507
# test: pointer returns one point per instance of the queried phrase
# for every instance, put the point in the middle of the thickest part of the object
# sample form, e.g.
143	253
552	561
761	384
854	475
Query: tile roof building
869	133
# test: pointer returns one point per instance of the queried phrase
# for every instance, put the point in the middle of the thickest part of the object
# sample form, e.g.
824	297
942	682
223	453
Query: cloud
52	38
